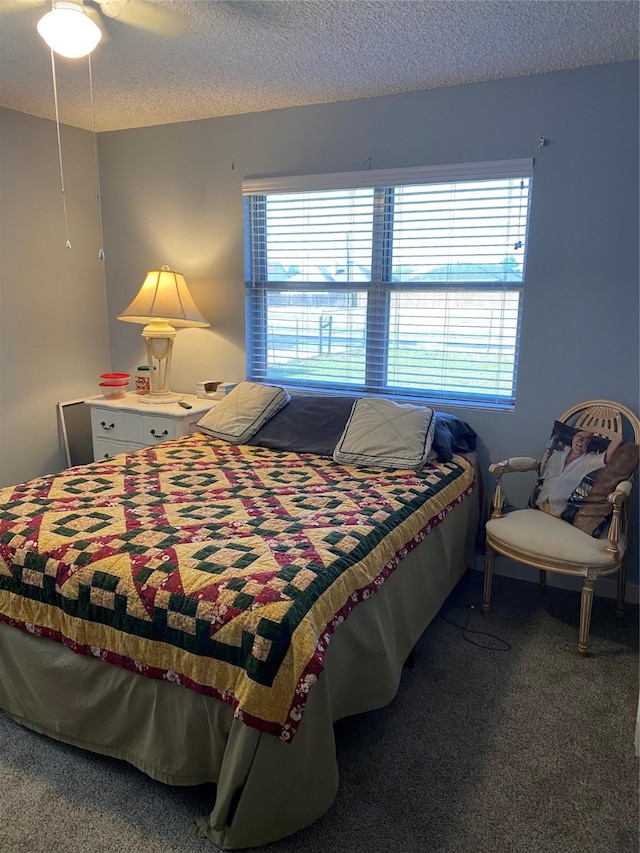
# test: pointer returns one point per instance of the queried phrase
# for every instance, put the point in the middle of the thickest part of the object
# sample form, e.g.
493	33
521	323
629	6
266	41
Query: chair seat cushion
538	536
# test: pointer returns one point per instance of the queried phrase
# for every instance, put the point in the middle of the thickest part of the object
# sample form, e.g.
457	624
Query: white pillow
384	434
243	411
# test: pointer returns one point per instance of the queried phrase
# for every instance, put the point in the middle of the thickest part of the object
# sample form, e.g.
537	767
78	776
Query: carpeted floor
501	740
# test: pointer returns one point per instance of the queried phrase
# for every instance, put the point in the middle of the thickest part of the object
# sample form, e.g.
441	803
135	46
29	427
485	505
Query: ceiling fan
78	28
159	19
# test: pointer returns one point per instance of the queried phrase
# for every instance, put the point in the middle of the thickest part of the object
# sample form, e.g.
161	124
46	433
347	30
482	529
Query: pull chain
95	161
64	200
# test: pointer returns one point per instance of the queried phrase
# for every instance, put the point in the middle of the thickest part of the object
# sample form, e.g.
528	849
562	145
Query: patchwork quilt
221	568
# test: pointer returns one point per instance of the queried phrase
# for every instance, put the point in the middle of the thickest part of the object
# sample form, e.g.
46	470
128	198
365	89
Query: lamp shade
68	31
164	295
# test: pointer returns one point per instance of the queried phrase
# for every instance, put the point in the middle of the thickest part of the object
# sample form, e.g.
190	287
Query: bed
206	610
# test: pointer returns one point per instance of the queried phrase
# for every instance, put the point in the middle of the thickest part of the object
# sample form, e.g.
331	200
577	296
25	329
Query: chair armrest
621	493
617	498
513	465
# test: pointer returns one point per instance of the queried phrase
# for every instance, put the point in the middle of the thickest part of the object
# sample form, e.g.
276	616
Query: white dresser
128	423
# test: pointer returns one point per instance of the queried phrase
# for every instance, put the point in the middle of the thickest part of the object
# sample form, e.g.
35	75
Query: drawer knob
104	426
161	435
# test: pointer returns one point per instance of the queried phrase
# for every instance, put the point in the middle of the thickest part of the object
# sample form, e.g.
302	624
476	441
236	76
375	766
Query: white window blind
401	282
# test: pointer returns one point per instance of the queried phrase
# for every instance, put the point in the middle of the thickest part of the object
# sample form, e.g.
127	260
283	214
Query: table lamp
162	304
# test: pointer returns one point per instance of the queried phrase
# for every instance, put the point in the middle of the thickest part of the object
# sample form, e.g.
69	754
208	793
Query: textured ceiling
237	57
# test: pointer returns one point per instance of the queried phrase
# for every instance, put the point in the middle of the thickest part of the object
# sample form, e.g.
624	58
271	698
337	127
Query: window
403	282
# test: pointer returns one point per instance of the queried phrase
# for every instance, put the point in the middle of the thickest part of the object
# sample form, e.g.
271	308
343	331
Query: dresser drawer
105	449
114	425
155	428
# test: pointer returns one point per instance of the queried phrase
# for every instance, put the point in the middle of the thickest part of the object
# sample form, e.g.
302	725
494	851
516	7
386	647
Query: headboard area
313	423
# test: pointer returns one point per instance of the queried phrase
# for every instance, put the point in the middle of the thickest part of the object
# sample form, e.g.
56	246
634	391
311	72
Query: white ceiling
239	56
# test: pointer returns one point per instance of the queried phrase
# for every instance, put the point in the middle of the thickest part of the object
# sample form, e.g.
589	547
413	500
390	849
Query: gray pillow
240	414
381	433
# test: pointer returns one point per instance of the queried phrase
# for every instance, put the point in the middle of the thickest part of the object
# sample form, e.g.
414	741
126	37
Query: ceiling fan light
68	31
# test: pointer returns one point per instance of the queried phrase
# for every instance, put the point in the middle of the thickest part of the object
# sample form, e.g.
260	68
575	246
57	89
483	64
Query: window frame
380	288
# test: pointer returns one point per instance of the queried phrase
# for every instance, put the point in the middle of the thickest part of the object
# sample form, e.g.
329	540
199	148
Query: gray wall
172	195
53	330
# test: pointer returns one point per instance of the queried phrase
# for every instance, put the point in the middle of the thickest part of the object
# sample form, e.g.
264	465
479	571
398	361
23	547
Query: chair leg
586	603
488	577
543	579
622	588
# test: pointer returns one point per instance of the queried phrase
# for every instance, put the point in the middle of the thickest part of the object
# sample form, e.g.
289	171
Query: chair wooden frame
605	418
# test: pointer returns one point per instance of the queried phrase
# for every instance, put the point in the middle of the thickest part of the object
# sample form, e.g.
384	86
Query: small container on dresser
142	380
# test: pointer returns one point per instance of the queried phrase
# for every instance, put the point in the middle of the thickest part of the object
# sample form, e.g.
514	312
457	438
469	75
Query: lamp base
158	397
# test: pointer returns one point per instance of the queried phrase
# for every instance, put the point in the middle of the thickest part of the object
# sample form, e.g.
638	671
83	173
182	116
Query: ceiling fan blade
156	19
96	17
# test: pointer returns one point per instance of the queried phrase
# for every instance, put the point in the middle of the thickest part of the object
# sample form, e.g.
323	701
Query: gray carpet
501	740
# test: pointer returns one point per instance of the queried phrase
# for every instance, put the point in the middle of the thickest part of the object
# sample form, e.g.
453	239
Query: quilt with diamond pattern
221	568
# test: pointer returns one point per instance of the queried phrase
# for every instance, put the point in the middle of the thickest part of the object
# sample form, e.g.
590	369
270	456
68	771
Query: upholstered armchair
577	519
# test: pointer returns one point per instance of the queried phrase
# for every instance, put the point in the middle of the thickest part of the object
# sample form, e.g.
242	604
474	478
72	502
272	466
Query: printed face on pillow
581	442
